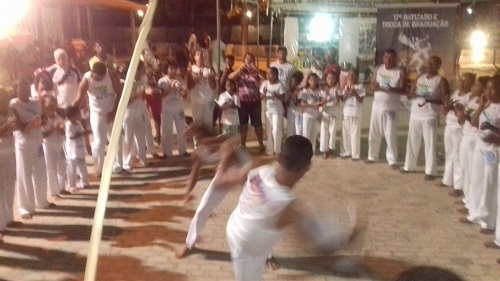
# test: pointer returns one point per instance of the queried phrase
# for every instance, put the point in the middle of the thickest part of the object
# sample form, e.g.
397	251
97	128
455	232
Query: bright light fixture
469	10
321	28
140	13
12	12
249	14
478	42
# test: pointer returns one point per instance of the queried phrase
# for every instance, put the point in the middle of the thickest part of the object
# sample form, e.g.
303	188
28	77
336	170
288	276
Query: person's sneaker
403	171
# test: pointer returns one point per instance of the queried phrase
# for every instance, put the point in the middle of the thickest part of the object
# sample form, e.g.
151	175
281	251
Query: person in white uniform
286	70
330	103
484	177
426	96
352	95
229	103
453	132
31	174
234	166
53	138
174	91
66	79
272	92
388	84
101	89
201	82
75	149
8	163
265	207
294	112
310	100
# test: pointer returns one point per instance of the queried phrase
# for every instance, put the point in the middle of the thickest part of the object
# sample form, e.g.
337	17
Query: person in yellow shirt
101	56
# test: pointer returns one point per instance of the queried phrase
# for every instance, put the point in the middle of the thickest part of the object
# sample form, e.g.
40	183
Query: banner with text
416	33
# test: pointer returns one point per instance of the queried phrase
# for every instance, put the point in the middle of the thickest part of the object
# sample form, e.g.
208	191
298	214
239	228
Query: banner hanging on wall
416	33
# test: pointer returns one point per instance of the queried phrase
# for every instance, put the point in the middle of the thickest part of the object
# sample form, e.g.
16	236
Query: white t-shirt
451	118
68	89
383	100
352	107
427	88
330	107
101	94
27	111
311	97
490	114
75	148
174	98
135	106
229	115
285	70
273	104
55	140
202	93
261	203
468	129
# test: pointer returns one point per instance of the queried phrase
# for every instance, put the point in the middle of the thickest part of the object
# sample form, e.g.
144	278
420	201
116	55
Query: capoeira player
388	84
102	90
427	95
453	132
229	173
30	162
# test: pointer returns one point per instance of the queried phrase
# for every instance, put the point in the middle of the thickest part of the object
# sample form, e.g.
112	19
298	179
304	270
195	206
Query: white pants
351	136
452	175
383	124
169	117
328	133
203	114
294	122
467	146
497	228
73	164
134	142
274	130
148	132
31	179
55	161
418	129
211	199
7	188
247	266
484	187
101	128
310	128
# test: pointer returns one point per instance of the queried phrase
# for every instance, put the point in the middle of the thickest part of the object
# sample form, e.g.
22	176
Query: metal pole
217	69
270	40
89	24
258	33
102	197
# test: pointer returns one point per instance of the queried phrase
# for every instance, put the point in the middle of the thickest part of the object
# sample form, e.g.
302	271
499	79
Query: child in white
134	142
353	95
310	100
174	91
273	93
452	175
75	149
229	103
30	162
330	102
294	112
425	96
53	138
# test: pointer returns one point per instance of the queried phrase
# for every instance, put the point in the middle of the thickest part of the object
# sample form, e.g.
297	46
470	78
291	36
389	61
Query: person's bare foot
188	197
183	253
15	224
27	216
326	155
272	263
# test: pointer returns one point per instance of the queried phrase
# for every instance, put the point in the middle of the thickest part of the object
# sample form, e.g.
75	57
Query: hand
492	138
486	126
483	101
12	123
149	91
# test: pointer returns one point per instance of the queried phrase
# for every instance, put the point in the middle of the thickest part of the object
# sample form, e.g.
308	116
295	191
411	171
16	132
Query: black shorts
250	110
